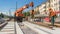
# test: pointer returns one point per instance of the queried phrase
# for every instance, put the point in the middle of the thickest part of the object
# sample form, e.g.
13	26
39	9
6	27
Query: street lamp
16	5
9	12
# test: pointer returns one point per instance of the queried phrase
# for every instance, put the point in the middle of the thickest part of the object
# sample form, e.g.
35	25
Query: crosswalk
8	29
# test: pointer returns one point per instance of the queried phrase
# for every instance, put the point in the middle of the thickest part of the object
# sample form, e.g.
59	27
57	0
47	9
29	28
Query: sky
6	5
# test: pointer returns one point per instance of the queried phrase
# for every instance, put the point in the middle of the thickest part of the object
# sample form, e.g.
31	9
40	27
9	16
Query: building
42	10
55	4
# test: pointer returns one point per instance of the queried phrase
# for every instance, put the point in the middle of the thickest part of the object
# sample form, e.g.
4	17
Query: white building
43	8
54	4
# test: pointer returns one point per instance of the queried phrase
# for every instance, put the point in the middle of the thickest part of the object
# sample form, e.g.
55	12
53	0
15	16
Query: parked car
37	20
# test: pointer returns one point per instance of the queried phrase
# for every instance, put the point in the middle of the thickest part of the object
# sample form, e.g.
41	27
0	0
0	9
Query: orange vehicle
19	15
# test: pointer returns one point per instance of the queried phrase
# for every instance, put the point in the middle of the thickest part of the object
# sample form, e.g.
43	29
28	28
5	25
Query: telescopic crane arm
19	11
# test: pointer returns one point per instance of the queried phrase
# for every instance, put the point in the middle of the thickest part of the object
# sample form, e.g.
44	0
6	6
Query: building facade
55	5
43	8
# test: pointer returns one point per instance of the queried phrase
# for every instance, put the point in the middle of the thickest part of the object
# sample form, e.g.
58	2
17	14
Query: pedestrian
52	16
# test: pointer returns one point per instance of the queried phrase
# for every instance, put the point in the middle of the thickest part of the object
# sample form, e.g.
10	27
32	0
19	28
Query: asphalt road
27	30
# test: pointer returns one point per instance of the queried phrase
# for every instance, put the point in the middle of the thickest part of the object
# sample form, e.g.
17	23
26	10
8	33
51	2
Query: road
27	30
41	29
10	29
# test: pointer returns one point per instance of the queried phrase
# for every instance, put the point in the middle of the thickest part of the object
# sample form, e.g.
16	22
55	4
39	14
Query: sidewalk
41	29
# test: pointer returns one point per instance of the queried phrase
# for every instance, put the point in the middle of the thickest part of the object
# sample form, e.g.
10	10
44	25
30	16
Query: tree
2	15
26	14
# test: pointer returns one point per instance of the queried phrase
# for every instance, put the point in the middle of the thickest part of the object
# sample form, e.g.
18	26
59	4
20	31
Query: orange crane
18	12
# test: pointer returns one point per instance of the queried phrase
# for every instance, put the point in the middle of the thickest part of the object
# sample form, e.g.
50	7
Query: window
54	0
44	6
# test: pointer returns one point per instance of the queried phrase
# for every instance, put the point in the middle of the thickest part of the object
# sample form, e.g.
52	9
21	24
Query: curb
18	30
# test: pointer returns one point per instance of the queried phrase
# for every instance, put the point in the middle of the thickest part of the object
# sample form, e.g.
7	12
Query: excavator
18	12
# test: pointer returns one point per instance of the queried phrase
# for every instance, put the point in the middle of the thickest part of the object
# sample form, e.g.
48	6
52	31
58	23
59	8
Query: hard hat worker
52	16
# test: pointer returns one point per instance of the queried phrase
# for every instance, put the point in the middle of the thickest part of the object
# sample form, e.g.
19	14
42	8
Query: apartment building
55	5
43	8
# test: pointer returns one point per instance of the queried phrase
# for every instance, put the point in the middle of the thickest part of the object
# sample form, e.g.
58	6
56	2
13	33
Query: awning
57	12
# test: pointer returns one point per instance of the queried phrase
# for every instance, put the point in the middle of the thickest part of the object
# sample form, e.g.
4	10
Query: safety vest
52	14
